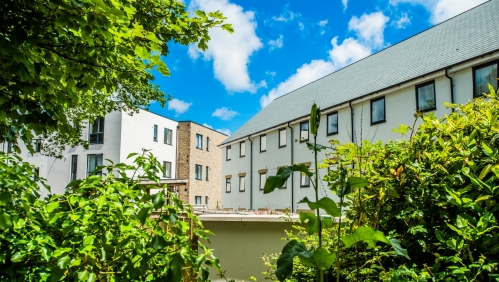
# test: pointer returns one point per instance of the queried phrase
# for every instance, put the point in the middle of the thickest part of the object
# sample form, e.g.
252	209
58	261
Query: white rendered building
453	61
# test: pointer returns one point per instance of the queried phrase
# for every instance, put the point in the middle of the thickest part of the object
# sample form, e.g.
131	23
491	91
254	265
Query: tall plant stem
316	188
338	234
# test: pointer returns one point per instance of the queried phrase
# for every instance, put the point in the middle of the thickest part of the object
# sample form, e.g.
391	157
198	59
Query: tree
64	62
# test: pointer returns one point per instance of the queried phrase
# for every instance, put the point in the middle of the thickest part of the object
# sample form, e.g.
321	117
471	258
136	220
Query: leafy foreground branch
105	228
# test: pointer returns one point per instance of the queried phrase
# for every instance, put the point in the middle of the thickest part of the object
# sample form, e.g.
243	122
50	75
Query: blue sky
279	46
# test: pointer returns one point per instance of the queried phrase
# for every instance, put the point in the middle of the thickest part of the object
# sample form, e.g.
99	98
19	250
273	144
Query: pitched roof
464	37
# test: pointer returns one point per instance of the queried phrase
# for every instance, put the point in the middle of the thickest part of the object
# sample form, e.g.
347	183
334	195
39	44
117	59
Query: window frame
228	153
242	144
302	175
327	124
200	172
199	145
73	170
228	184
308	131
100	131
207	144
164	169
155	133
207	173
263	136
88	162
166	135
495	62
384	110
262	185
279	138
243	182
206	198
38	145
196	200
434	96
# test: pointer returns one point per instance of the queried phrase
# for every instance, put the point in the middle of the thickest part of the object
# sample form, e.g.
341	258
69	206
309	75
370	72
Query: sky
278	46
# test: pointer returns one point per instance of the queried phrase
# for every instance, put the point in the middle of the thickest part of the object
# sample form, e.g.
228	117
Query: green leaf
83	275
158	200
176	264
17	257
483	198
89	240
52	206
358	182
321	259
46	252
158	242
310	219
92	277
275	182
63	262
326	204
131	155
398	249
315	118
5	198
142	215
5	220
285	260
366	234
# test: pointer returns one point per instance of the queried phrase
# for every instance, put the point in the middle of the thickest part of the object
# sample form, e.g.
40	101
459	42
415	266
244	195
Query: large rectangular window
242	149
483	76
197	200
378	110
74	167
167	169
199	141
241	183
228	153
94	161
282	137
155	134
263	143
96	131
207	169
304	131
199	172
332	123
304	180
207	143
227	185
167	136
425	97
263	178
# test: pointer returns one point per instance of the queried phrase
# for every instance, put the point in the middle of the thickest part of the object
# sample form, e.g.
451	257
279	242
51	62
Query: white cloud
224	131
340	55
301	26
305	74
442	10
178	106
271	73
276	43
369	27
286	15
403	21
207	125
230	52
224	113
322	23
345	4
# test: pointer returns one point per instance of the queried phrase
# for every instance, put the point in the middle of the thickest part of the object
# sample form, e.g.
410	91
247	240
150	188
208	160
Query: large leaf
282	176
5	198
176	264
326	204
310	219
321	259
63	262
143	213
285	261
315	118
5	220
158	200
367	234
159	242
358	182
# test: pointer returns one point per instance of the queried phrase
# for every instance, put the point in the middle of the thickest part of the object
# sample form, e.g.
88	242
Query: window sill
304	140
242	156
332	133
284	146
378	122
96	143
263	151
306	186
198	179
199	148
227	191
228	160
242	191
428	110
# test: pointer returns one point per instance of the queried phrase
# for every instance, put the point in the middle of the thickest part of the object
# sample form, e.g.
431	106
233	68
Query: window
282	137
38	146
36	174
199	172
332	123
241	183
263	178
199	141
96	131
378	110
9	148
94	161
263	143
228	153
304	180
425	97
167	169
482	77
242	149
207	143
206	200
227	185
207	168
304	131
74	167
197	200
167	136
155	137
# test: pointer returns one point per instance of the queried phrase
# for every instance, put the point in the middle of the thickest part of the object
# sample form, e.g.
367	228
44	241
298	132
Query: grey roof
464	37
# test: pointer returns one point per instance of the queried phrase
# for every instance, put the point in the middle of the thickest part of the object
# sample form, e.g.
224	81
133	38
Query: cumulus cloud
403	21
230	52
271	74
369	30
369	27
322	23
442	10
345	4
178	106
276	43
225	131
286	16
301	26
224	113
207	125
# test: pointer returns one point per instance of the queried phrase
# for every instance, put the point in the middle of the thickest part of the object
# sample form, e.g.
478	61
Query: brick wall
183	147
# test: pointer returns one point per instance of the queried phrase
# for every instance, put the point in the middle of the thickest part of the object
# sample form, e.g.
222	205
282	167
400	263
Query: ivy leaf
282	176
83	275
5	220
158	242
142	215
326	204
176	264
46	252
63	262
285	261
92	277
52	206
5	198
158	200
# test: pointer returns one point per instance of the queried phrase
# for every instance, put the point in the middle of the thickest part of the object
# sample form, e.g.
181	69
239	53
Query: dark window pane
426	97
483	77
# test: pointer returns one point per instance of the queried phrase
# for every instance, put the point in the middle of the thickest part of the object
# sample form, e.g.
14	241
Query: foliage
64	62
105	228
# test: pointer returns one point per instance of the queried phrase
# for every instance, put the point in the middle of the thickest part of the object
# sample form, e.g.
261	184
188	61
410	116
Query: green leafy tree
105	228
64	62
